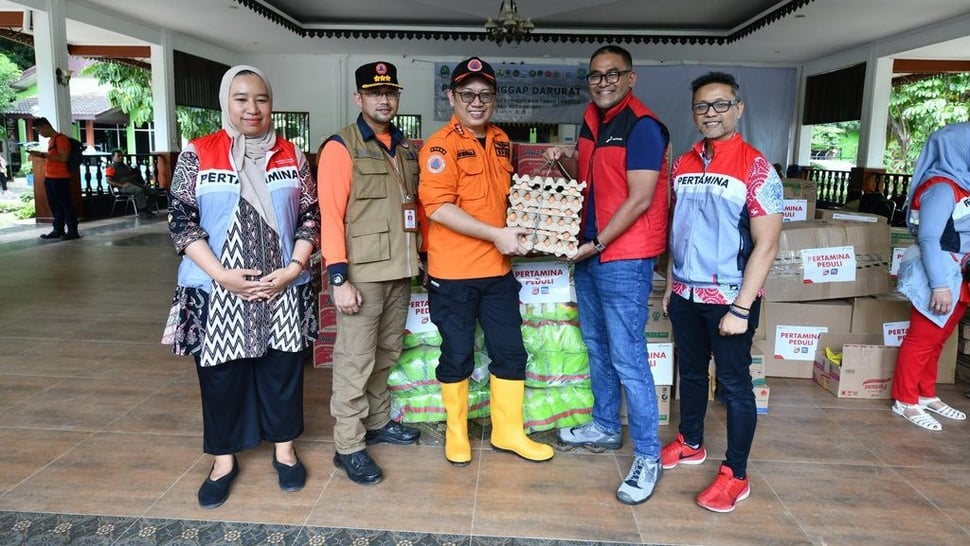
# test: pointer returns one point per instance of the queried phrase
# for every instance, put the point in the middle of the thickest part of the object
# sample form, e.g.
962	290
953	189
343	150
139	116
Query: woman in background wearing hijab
933	273
243	214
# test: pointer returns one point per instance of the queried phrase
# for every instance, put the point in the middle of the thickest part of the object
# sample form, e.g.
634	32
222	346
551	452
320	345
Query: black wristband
600	247
740	307
739	315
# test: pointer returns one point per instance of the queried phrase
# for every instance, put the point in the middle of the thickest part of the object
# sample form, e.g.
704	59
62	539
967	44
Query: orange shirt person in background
57	182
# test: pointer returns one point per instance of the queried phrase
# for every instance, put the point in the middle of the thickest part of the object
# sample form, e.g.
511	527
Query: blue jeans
697	322
612	316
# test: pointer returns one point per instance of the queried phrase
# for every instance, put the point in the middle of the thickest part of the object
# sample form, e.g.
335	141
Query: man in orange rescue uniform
465	179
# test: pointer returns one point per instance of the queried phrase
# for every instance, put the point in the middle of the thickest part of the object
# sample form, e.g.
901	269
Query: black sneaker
52	235
392	433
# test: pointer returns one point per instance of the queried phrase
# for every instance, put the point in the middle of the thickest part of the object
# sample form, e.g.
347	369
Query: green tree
20	54
131	88
196	122
131	91
918	107
9	72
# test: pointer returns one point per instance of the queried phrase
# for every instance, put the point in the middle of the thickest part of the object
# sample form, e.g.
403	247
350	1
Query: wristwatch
600	247
336	279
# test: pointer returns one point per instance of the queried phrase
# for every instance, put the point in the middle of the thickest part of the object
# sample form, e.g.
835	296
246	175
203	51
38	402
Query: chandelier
509	28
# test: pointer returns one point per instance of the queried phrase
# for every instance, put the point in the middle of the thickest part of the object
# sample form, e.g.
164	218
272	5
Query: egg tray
551	207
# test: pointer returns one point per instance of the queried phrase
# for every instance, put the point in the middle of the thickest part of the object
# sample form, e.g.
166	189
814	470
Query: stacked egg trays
551	207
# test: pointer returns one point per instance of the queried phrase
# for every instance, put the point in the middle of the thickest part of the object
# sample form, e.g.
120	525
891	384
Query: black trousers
62	207
456	305
250	400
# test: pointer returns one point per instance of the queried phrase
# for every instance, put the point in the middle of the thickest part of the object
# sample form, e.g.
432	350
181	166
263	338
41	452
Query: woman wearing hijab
243	214
933	273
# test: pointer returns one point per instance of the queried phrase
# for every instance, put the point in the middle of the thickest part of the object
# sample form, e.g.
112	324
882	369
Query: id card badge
410	216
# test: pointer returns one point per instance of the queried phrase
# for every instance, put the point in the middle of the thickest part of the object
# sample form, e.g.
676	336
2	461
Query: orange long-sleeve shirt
456	169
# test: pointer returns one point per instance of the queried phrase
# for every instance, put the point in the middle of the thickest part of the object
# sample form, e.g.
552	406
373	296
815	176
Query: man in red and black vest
622	156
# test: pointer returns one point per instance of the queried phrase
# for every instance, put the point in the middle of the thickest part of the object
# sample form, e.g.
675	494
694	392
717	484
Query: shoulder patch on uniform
438	150
436	163
503	149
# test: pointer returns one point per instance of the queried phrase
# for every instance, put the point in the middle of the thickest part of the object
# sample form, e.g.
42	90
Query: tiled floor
100	444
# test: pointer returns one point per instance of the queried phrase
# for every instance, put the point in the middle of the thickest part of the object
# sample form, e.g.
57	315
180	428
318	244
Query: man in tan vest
367	183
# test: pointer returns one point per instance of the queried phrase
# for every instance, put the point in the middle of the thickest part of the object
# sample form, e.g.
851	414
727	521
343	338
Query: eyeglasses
390	94
595	78
468	97
719	106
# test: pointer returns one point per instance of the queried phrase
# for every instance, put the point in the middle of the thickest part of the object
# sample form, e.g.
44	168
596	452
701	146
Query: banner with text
419	315
527	93
542	282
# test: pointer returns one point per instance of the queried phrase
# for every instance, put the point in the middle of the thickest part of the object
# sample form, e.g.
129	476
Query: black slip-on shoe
292	478
215	492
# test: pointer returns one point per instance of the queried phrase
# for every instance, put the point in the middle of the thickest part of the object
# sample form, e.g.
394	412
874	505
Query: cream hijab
248	153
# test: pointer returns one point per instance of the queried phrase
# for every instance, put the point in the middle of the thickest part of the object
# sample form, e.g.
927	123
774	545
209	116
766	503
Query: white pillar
163	95
875	112
50	50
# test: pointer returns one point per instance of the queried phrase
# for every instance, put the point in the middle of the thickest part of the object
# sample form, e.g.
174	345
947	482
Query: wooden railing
94	182
836	187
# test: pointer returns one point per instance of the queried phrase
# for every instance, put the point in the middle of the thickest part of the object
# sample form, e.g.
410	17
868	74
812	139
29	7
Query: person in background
621	154
57	181
243	214
466	173
128	180
728	208
3	175
934	272
368	180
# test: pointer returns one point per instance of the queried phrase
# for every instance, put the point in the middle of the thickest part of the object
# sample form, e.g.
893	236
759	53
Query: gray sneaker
590	437
639	483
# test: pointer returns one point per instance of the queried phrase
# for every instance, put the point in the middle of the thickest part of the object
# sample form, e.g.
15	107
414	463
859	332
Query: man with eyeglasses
621	154
367	184
727	218
466	173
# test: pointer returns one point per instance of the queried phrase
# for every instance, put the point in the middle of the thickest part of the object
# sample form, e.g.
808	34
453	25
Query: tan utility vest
378	248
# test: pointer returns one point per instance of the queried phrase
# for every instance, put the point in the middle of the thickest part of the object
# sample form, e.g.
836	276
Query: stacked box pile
551	207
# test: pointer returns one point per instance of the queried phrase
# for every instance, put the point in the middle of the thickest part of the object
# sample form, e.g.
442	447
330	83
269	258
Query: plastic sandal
920	418
945	409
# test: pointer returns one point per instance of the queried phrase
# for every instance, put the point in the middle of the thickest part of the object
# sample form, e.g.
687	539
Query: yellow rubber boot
507	433
458	450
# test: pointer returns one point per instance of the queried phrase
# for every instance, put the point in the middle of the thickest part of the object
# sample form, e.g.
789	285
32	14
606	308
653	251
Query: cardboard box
800	197
663	405
758	370
872	314
963	368
822	259
529	161
761	398
658	329
850	216
887	315
963	346
793	331
866	370
661	357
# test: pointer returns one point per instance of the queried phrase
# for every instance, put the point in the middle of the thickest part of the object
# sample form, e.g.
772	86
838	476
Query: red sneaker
677	452
725	492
